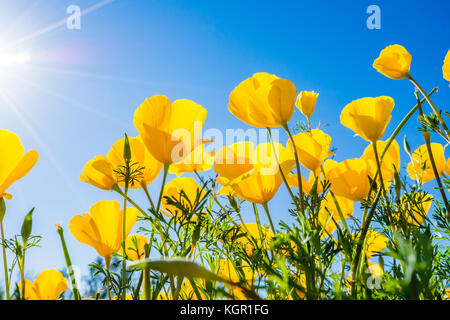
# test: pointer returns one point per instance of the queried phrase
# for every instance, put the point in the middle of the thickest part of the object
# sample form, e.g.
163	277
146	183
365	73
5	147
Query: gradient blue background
79	92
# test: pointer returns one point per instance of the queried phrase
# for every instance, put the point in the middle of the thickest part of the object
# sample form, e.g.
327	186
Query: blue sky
78	93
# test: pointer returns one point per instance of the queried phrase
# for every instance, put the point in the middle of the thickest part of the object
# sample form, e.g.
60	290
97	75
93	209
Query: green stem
5	262
146	272
402	124
297	164
22	271
166	170
426	136
144	186
336	203
108	286
362	237
377	159
258	222
124	238
73	281
431	103
266	208
281	171
158	206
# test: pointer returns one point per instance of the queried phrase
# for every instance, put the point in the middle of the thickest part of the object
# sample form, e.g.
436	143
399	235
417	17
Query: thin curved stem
432	105
297	164
281	171
108	285
124	235
266	209
5	262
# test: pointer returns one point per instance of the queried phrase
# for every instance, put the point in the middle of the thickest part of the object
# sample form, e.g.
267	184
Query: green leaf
188	269
406	146
178	267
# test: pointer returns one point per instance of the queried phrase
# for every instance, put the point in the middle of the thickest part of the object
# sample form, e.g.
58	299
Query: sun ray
41	144
71	101
53	26
8	29
90	75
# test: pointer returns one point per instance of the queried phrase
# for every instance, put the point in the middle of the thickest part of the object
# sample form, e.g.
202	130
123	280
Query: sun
11	62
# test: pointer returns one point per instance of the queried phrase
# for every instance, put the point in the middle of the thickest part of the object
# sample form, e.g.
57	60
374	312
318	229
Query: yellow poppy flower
140	159
349	179
447	167
249	236
446	67
99	172
263	101
173	190
375	242
390	160
231	162
170	131
328	211
292	181
14	162
308	184
375	269
394	62
187	292
306	102
368	117
101	227
312	148
229	272
49	285
198	160
135	247
262	179
414	208
420	167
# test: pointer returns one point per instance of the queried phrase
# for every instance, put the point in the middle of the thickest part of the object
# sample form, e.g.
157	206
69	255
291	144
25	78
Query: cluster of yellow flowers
169	140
